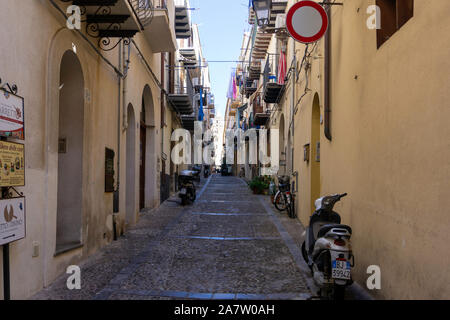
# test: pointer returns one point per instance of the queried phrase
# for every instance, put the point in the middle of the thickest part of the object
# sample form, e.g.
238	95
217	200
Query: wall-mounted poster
12	220
12	164
12	120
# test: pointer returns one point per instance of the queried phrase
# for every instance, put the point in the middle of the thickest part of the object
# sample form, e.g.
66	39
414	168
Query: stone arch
315	185
70	153
148	176
131	167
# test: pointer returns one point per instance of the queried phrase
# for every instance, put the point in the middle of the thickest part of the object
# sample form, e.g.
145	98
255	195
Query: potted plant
259	185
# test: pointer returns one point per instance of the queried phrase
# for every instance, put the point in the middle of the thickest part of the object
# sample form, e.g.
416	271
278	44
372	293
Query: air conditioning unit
280	22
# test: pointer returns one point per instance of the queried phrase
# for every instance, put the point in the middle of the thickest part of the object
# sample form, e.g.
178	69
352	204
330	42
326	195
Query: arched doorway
70	153
315	152
282	147
147	169
131	168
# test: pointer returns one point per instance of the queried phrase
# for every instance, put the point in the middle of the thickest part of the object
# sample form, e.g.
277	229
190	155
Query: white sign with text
12	220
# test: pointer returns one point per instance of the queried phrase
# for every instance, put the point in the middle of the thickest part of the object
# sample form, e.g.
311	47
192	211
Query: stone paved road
228	245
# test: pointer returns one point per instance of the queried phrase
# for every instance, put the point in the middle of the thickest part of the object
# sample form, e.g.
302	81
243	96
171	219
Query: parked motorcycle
197	170
187	188
207	171
327	249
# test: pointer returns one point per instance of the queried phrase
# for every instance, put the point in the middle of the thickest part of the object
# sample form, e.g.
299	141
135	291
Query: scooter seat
324	230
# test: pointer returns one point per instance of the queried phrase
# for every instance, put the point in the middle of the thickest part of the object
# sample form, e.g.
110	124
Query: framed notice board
12	220
12	119
12	164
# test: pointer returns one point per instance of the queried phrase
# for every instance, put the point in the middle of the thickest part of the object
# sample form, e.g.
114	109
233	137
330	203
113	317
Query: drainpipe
294	81
327	124
116	199
126	64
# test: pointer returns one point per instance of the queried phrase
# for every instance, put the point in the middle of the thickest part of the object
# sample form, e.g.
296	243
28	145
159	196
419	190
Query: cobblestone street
228	245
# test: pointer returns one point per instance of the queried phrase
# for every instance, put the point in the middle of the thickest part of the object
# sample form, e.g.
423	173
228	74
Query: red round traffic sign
307	21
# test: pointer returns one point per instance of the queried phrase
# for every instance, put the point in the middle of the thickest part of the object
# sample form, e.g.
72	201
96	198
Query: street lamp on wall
262	10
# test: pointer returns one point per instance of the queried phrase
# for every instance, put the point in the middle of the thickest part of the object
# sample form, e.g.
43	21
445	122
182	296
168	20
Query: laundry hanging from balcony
232	90
282	68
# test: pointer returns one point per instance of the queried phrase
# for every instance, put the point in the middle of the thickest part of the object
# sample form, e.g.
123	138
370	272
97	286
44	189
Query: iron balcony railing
144	9
184	87
271	69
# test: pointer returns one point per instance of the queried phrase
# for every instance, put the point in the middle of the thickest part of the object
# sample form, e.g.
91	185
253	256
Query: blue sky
221	25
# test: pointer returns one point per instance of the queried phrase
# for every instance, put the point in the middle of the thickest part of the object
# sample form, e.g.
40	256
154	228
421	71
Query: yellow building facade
84	103
389	147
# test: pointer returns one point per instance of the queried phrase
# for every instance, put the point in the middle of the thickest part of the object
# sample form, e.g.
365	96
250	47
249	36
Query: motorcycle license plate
183	191
341	270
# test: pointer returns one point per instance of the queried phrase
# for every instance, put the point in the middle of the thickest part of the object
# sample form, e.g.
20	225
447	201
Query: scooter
206	172
327	249
187	187
197	170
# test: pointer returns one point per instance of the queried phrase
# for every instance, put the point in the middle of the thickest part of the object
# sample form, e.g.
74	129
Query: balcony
158	30
182	20
182	102
254	70
250	87
260	117
262	42
278	7
182	97
106	19
273	86
188	122
189	58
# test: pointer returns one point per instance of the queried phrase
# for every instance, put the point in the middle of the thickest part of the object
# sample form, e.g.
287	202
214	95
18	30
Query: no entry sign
307	21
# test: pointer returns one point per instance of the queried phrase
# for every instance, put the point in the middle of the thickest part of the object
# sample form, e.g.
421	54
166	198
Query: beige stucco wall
390	148
32	61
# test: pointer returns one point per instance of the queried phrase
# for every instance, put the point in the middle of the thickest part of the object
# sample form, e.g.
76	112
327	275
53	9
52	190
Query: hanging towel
230	87
234	88
282	67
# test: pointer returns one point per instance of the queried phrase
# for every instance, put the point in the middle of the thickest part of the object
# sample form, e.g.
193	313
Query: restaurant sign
12	220
12	164
12	123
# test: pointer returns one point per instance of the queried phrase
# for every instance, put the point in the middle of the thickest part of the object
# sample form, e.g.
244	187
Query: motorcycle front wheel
289	209
193	196
304	253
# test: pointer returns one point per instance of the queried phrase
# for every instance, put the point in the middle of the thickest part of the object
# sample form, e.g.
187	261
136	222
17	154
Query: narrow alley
286	150
228	245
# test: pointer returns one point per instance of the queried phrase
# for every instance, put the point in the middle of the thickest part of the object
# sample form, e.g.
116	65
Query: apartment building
364	111
100	111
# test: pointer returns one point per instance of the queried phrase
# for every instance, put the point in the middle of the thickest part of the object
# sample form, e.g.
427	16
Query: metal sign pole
4	191
6	275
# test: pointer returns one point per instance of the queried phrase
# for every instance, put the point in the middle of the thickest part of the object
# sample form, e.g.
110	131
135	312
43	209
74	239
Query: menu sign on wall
11	115
12	164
